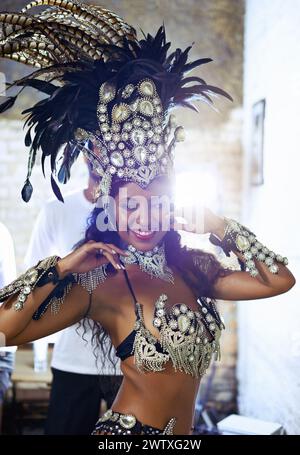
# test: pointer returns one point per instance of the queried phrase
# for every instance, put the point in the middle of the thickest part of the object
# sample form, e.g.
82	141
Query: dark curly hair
199	276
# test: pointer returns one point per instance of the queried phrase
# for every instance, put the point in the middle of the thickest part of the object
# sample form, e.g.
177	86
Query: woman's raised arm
240	285
264	274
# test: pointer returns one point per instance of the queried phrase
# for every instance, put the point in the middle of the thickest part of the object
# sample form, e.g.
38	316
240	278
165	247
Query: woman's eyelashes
129	204
133	204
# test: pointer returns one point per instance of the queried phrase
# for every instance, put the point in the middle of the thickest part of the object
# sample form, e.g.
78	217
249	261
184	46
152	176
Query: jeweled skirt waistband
113	422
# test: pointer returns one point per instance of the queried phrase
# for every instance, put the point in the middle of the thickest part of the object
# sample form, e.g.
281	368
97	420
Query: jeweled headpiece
132	142
109	95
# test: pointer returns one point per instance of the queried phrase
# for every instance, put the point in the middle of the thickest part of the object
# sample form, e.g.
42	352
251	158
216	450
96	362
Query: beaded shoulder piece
36	275
26	282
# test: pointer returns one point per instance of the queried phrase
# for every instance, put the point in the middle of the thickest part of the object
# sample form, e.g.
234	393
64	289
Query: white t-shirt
7	265
58	227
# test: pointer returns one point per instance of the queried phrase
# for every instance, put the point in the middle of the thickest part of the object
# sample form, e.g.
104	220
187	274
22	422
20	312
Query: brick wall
269	336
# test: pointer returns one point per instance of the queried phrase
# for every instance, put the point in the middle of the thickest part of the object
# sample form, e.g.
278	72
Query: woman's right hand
87	257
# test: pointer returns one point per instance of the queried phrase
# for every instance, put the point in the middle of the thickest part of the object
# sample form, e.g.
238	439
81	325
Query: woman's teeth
143	234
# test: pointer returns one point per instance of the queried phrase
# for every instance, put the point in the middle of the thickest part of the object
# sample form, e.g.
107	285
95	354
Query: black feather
28	140
42	86
8	103
72	92
187	80
71	153
26	191
56	189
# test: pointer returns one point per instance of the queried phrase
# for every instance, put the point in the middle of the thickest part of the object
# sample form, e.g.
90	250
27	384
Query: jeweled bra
184	337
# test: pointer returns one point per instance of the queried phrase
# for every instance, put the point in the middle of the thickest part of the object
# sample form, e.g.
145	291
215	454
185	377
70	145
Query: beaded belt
118	423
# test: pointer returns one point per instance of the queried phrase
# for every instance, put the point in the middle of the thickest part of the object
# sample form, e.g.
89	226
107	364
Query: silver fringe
146	357
182	336
56	302
170	426
91	279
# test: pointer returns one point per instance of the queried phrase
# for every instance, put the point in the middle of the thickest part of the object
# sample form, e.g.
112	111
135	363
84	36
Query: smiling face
143	215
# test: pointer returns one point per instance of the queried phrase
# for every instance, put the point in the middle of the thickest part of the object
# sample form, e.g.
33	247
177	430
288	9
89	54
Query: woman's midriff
155	397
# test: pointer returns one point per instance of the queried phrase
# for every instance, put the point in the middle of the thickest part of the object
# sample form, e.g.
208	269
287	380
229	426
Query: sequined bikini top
188	338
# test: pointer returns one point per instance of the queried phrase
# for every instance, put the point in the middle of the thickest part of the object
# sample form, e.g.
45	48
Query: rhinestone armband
26	282
237	236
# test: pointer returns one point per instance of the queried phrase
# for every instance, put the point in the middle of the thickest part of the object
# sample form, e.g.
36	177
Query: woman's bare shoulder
108	292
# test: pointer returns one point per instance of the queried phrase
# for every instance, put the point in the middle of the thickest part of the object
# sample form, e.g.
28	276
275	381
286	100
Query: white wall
269	329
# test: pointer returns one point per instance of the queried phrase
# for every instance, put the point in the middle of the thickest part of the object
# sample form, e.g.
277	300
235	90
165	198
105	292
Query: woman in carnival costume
109	95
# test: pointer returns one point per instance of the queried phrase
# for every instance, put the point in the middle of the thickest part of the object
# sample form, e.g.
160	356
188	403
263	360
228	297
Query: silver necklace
152	261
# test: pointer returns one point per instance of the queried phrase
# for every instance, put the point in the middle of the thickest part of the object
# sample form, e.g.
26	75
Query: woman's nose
144	216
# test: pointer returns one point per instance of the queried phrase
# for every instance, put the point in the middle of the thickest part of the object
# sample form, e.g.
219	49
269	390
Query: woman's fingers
109	251
117	249
108	246
112	260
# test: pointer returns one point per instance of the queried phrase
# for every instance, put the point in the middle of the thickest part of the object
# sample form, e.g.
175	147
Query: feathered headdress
107	93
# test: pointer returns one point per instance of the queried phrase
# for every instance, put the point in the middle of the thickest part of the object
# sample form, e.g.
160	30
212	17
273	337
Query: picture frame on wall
257	143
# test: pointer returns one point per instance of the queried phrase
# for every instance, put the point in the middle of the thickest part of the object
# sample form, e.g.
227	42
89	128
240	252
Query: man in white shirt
7	274
78	386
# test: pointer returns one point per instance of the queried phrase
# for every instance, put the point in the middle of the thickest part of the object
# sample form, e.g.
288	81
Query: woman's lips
144	235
